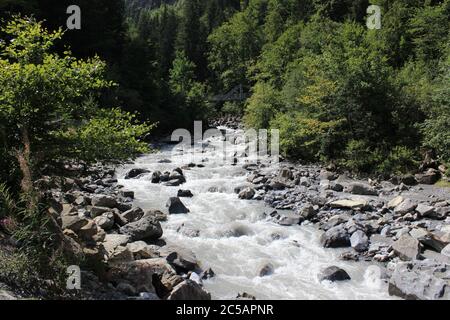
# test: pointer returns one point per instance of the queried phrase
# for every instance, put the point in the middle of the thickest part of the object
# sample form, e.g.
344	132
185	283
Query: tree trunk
23	157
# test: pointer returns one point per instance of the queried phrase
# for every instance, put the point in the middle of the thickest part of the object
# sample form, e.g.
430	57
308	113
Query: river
236	240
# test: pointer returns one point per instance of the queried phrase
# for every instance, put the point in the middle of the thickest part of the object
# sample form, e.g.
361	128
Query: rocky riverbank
119	244
400	223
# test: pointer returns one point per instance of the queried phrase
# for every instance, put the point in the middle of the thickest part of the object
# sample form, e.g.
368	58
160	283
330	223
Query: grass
443	183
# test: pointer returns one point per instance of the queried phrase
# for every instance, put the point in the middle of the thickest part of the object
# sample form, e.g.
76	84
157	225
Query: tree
43	96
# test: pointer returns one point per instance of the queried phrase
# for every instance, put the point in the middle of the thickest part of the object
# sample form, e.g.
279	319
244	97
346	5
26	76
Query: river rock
420	281
406	247
175	206
181	258
335	237
395	202
430	177
333	274
327	175
127	194
247	193
133	214
424	210
189	290
71	220
112	241
405	207
134	173
104	201
184	194
207	274
140	273
267	270
105	221
408	180
156	177
359	241
145	228
361	189
349	204
141	250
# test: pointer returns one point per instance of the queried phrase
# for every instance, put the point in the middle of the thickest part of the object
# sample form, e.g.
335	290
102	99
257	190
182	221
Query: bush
301	137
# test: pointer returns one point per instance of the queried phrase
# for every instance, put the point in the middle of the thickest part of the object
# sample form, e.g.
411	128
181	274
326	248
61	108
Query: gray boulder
361	189
134	173
359	241
420	281
405	206
247	193
103	201
333	274
189	290
175	206
335	237
406	247
184	194
145	228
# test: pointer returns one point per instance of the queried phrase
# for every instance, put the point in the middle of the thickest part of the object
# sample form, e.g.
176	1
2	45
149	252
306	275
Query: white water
297	255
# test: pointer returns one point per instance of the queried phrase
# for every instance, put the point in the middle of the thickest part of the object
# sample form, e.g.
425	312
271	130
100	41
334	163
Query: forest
368	101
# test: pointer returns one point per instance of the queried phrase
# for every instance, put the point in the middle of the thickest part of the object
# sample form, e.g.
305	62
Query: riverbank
169	226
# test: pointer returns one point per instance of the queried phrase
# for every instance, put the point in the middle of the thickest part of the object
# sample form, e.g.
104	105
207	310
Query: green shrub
301	137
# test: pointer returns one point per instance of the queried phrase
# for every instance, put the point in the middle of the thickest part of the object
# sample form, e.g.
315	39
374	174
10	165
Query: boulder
359	241
430	177
156	177
308	212
361	189
247	194
189	290
105	221
349	204
408	180
181	258
140	274
333	274
141	250
425	210
335	237
97	211
133	214
127	194
420	281
112	241
405	207
327	175
207	274
406	247
175	206
72	220
395	202
145	228
184	194
266	270
134	173
103	201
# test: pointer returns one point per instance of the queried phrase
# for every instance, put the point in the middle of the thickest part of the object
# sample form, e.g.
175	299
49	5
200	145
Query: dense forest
371	101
